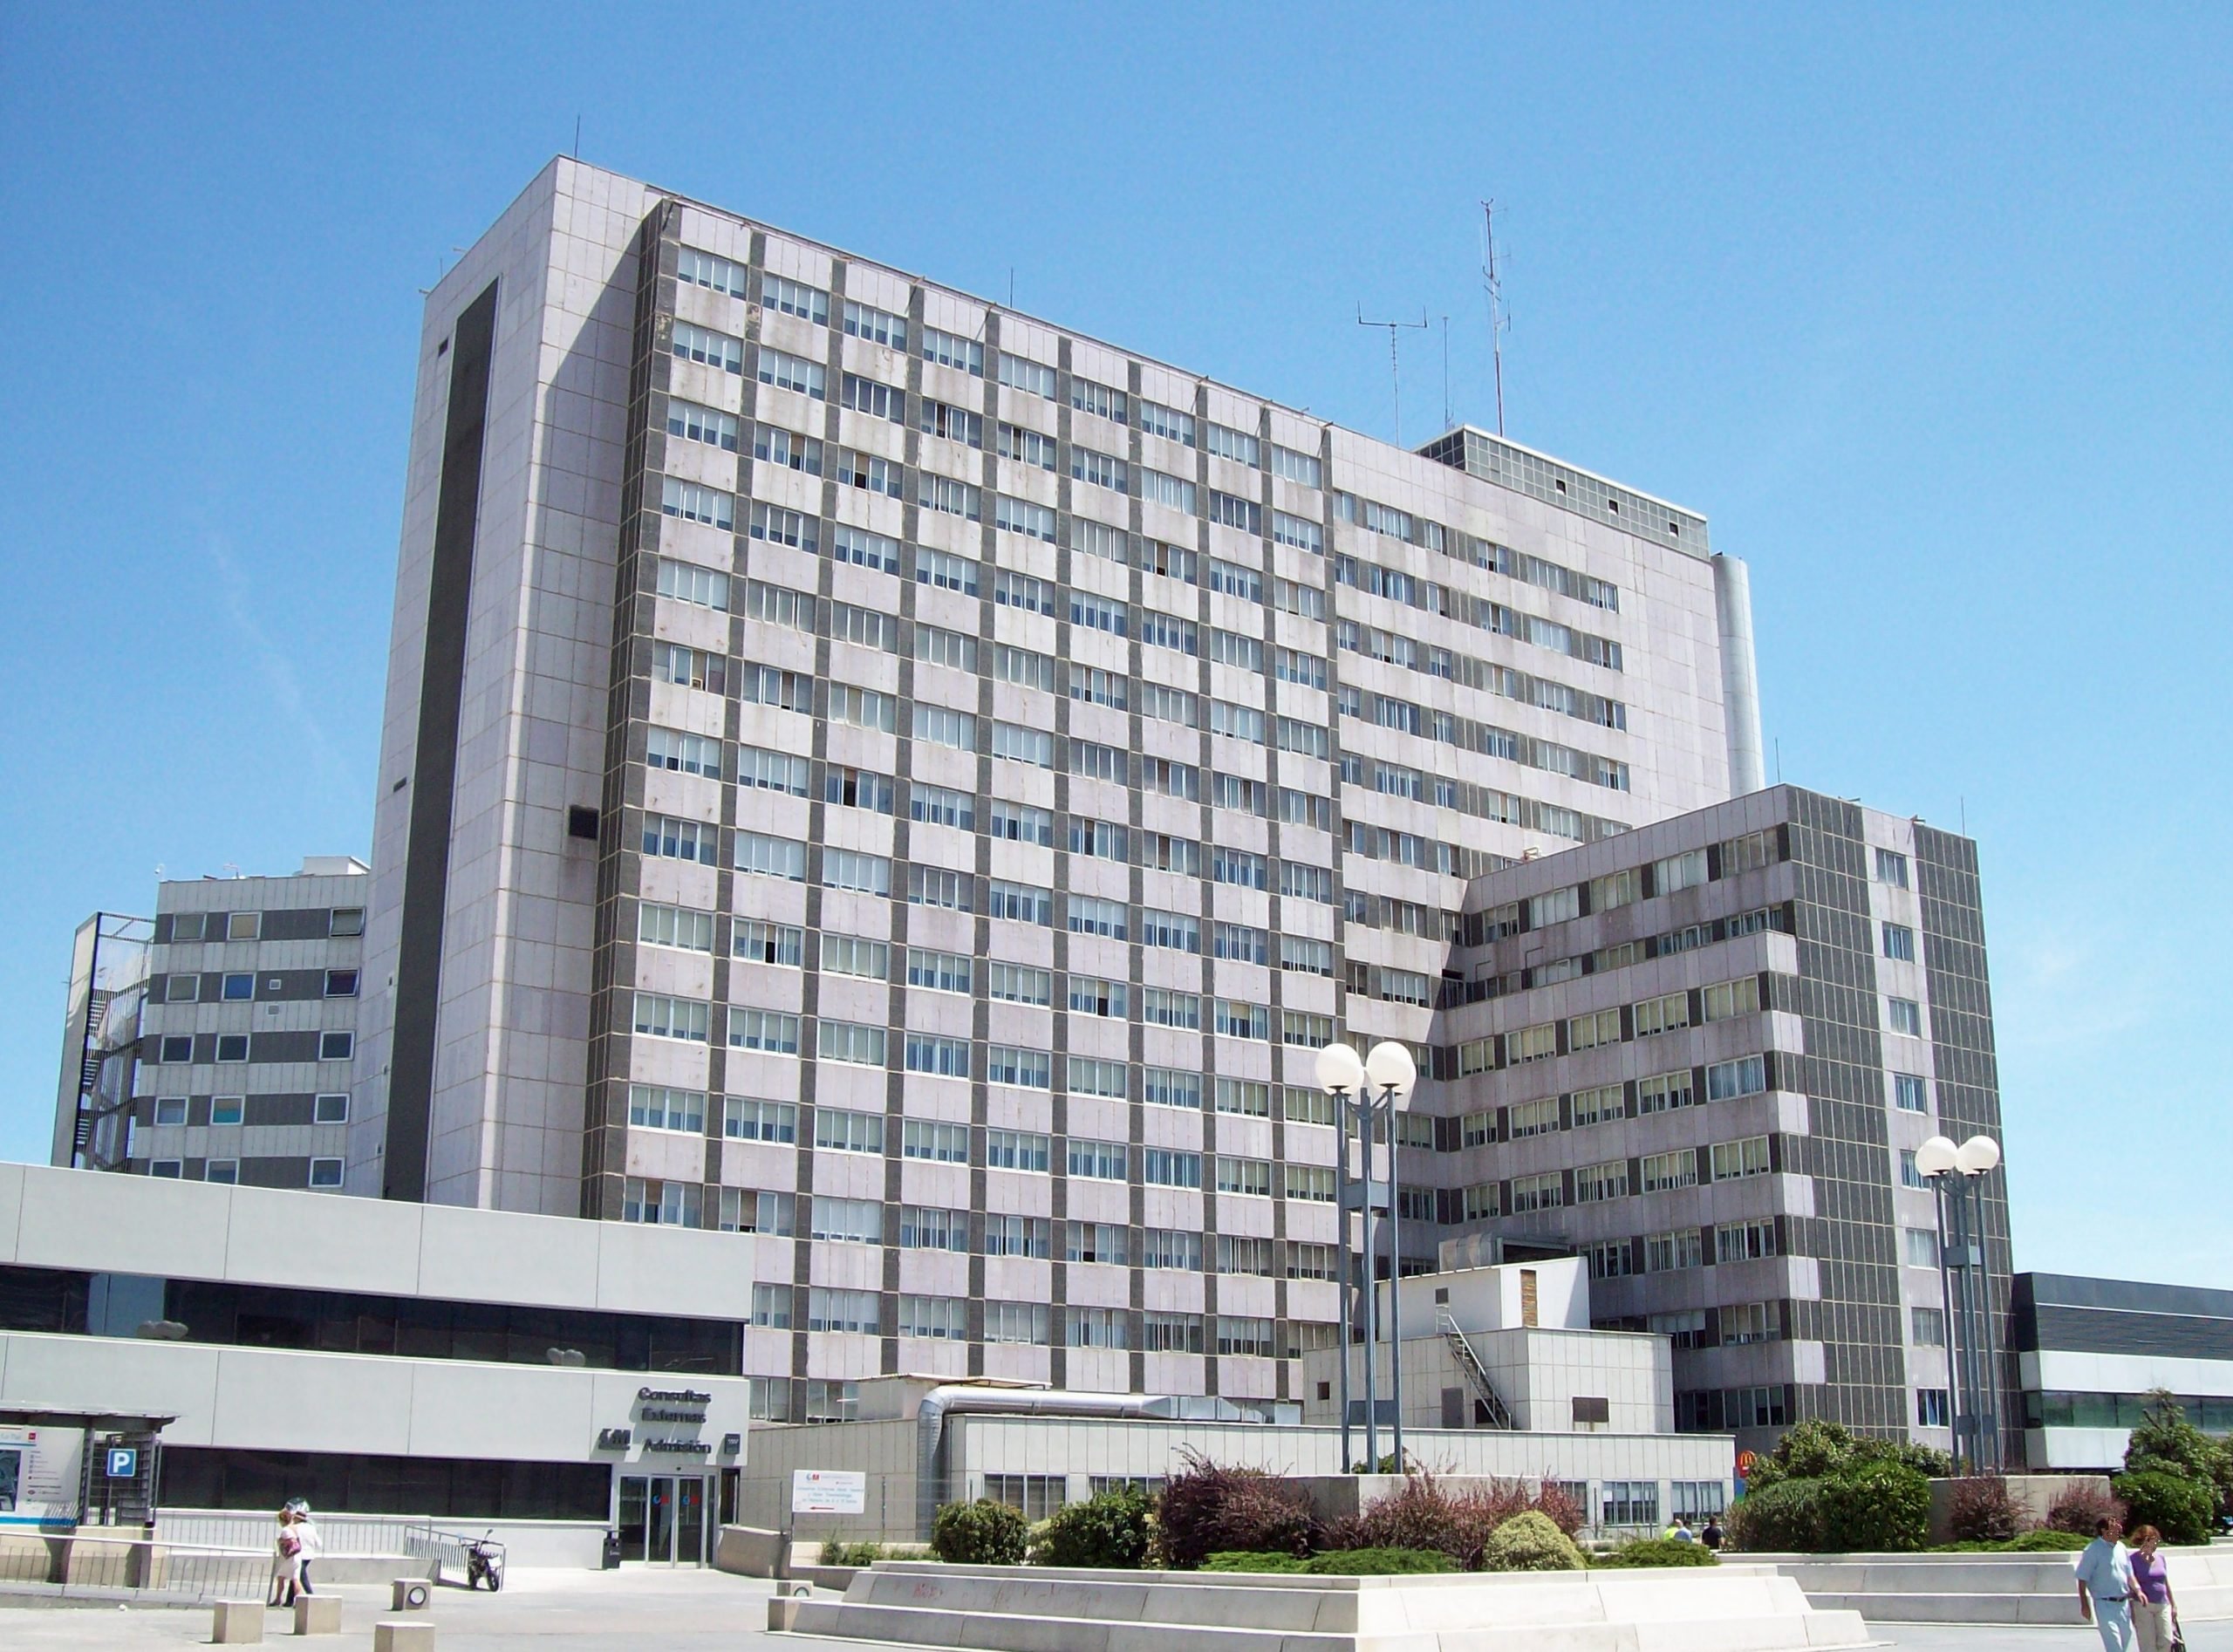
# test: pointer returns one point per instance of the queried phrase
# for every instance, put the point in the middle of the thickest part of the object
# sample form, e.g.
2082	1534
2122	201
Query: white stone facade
1166	723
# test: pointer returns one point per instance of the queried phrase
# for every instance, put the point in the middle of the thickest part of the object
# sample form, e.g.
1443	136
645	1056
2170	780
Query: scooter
484	1559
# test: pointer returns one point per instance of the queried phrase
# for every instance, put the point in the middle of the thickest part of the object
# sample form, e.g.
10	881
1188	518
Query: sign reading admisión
828	1492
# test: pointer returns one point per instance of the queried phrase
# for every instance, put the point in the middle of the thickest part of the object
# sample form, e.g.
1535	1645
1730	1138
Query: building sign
38	1475
671	1405
828	1492
123	1463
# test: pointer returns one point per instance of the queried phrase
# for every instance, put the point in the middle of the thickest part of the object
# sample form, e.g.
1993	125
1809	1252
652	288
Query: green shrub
1656	1551
1109	1529
2165	1440
1814	1449
2182	1509
836	1554
1530	1542
1980	1510
1246	1560
1209	1509
2041	1542
1786	1517
1372	1563
1876	1507
979	1533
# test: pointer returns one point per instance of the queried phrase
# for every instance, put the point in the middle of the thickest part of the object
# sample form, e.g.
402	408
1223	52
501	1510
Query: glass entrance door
663	1518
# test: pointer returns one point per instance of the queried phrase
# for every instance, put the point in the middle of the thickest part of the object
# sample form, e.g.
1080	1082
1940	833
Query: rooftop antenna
577	137
1493	294
1395	368
1446	419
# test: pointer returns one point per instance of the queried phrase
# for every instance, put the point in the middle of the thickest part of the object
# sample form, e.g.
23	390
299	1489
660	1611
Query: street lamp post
1340	1075
1956	1175
1393	1072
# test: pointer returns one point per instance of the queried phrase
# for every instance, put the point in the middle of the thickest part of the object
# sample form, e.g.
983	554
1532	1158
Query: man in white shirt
2104	1587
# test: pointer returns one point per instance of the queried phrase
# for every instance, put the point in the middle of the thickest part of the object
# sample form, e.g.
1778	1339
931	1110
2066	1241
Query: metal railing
72	1566
1475	1372
338	1534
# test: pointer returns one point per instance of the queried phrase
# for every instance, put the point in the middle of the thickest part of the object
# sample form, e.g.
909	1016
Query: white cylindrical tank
1740	680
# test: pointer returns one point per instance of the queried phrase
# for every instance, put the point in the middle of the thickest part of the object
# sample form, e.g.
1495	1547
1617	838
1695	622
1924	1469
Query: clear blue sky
1926	309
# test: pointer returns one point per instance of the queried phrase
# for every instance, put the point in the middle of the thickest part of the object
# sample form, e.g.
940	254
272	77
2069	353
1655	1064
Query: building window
326	1172
239	987
670	1203
1909	1176
1920	1246
1927	1327
658	1106
227	1109
1904	1016
1891	868
1628	1502
1932	1410
168	1170
346	920
176	1048
227	1172
1747	1157
1909	1093
170	1109
1024	1322
330	1109
181	989
341	983
849	1313
1900	943
233	1047
704	269
243	926
694	504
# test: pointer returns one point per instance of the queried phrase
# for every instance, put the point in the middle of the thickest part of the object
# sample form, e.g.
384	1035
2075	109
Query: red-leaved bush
1979	1510
1208	1508
2081	1509
1421	1514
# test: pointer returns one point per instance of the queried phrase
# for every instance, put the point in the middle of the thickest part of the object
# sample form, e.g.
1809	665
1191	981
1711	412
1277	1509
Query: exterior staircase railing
1476	1375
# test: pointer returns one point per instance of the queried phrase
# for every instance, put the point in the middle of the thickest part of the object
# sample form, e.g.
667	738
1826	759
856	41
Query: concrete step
1736	1609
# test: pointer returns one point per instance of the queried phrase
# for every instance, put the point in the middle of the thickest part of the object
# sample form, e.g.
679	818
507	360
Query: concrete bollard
236	1623
403	1635
410	1594
318	1614
782	1611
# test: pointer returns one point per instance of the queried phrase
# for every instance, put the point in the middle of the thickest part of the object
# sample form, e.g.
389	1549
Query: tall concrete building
1703	1055
240	1062
919	783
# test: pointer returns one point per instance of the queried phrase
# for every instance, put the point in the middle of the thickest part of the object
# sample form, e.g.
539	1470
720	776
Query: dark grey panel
298	924
282	1047
2065	1290
442	684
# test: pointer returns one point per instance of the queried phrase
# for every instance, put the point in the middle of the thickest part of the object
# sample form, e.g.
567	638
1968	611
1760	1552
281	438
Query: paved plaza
579	1611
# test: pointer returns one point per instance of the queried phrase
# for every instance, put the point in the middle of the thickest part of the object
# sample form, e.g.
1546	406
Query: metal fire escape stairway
1475	1372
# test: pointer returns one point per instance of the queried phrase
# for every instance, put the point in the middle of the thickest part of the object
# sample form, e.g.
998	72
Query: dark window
446	1488
341	983
232	1047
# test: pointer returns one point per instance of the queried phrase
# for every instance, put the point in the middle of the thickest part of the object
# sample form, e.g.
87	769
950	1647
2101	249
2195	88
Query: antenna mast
1395	369
1492	293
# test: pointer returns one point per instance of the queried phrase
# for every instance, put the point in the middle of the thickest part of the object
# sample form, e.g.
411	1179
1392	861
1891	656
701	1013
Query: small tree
979	1533
2166	1443
1786	1518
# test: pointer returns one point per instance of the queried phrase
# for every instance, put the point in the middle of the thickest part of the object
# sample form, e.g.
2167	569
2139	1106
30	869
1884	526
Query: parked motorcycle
484	1562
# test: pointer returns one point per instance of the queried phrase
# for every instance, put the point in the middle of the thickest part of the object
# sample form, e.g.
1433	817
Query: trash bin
612	1551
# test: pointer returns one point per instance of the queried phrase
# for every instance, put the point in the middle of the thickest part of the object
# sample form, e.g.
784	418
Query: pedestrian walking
2155	1612
286	1561
2104	1586
306	1533
1713	1536
1680	1532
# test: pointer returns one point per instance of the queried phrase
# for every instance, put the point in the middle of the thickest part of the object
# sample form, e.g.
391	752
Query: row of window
1118	407
230	1109
322	1172
1721	1245
235	986
341	922
946	1319
175	1050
